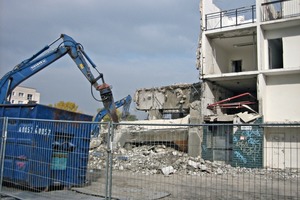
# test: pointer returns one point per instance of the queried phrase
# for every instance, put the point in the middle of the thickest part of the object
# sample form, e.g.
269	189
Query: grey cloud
130	41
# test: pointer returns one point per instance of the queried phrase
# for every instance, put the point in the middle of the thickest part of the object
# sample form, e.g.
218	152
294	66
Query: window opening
236	65
29	96
275	53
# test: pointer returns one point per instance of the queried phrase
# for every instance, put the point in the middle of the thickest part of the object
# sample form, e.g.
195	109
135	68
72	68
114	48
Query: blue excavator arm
41	60
125	102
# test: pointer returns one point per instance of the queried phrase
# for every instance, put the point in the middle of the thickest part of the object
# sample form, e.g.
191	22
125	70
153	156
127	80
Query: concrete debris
167	170
173	99
171	131
248	117
142	124
162	159
193	164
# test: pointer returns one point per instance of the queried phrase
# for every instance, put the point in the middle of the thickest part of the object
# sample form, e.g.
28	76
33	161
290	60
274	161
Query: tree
106	118
69	106
131	118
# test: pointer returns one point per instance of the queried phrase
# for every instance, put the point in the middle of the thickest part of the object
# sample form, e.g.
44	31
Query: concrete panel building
248	61
24	95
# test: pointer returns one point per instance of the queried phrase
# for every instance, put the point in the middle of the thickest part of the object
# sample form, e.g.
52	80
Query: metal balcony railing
280	9
233	17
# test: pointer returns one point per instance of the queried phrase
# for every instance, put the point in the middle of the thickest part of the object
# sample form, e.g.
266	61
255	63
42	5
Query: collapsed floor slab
143	131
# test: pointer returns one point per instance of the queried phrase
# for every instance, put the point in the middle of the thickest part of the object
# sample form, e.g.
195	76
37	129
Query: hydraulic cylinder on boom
42	59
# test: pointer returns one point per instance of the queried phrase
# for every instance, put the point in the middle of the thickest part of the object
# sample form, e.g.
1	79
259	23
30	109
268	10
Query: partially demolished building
249	71
176	101
173	100
249	64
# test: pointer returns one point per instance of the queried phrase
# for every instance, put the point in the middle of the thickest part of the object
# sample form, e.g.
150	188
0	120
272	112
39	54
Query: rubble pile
160	159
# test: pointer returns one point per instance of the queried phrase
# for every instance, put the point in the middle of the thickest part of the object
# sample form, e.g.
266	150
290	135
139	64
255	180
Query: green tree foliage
131	118
69	106
106	118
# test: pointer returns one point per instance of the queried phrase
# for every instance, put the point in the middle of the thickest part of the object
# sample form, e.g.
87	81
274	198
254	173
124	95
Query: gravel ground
161	172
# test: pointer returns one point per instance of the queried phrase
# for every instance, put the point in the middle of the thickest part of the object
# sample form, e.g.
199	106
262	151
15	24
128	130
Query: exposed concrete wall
220	58
211	94
276	89
291	51
185	137
282	147
208	58
154	131
282	98
209	7
290	40
261	93
247	55
167	99
195	133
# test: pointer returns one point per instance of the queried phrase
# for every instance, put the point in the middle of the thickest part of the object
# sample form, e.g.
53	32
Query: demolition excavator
43	59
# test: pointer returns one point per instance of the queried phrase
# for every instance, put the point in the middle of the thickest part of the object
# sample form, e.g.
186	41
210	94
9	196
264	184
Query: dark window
236	65
29	96
275	54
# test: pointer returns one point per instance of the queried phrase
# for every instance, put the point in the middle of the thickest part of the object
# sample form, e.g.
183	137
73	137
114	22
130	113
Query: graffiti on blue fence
251	133
204	148
250	148
235	139
252	141
240	157
248	145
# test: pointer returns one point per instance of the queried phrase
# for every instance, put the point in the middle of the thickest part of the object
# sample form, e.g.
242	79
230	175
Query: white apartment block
249	61
24	95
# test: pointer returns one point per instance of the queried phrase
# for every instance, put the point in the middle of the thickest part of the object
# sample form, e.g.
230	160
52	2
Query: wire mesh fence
44	155
236	162
149	161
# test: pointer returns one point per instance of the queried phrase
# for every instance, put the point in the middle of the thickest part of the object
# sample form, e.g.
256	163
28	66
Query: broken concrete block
248	117
193	164
167	170
95	143
203	167
219	171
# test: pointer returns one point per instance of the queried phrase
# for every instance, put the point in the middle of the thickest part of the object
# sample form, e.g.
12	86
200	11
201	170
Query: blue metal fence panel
42	153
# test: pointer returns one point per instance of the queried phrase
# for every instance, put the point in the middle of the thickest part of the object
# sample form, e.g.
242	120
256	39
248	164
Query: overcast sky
135	44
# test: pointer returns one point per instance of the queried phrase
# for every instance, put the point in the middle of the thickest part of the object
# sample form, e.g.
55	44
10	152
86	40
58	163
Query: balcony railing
229	18
280	9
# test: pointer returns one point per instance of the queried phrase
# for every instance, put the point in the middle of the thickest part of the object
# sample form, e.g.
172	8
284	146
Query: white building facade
24	95
249	52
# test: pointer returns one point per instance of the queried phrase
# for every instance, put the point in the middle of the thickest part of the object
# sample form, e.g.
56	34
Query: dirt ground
137	186
126	185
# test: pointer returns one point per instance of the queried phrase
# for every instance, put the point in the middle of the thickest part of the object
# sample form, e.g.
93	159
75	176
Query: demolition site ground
161	172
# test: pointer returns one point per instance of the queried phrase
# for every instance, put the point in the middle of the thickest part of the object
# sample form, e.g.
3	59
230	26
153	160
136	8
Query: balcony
228	18
281	9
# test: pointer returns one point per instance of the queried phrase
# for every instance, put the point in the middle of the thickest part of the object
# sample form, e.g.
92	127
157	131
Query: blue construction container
42	152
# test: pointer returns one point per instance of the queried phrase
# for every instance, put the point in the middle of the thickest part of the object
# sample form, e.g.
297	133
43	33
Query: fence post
107	181
252	13
2	150
236	17
205	22
111	158
221	19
